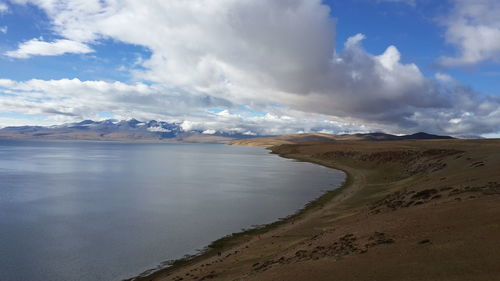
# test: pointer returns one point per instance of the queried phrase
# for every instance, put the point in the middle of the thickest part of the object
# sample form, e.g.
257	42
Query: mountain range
154	131
114	130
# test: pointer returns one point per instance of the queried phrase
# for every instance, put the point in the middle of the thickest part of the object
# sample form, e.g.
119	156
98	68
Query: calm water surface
101	211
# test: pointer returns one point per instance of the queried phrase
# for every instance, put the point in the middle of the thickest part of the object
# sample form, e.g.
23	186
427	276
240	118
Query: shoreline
233	239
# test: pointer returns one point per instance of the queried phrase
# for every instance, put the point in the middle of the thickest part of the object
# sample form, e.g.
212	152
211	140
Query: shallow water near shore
101	211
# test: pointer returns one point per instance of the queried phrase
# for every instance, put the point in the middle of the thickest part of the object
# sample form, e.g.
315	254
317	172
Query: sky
256	66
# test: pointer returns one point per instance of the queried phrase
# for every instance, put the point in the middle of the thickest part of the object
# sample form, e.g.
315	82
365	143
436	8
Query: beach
409	210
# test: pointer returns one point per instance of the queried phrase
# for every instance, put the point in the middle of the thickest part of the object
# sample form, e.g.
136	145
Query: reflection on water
105	211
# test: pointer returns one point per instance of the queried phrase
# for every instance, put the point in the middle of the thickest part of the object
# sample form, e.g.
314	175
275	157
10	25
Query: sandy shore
410	210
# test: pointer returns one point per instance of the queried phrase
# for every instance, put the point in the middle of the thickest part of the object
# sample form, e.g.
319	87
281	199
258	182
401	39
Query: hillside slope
410	210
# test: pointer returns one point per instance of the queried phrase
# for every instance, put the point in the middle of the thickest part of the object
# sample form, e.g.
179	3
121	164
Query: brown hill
320	137
287	139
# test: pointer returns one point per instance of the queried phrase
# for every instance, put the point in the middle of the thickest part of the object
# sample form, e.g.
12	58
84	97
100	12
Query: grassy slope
411	210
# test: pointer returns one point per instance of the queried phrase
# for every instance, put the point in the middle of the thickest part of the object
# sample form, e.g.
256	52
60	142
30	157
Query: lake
104	211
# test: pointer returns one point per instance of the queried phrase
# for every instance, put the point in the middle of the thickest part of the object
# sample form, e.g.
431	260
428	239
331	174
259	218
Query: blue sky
259	66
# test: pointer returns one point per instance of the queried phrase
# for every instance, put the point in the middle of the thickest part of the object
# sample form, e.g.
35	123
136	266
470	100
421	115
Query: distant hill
424	136
319	137
125	130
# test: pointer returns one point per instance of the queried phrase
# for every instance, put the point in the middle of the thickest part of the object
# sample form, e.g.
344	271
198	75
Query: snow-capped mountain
124	130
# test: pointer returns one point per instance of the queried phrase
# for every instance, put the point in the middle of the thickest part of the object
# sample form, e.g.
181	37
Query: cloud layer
271	56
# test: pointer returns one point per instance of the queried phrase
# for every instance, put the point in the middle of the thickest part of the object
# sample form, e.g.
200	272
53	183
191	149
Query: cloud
37	47
3	8
276	57
473	27
85	99
3	29
68	100
268	124
445	78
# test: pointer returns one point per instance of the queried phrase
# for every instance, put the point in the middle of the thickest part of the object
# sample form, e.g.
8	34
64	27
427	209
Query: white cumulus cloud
474	28
37	47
